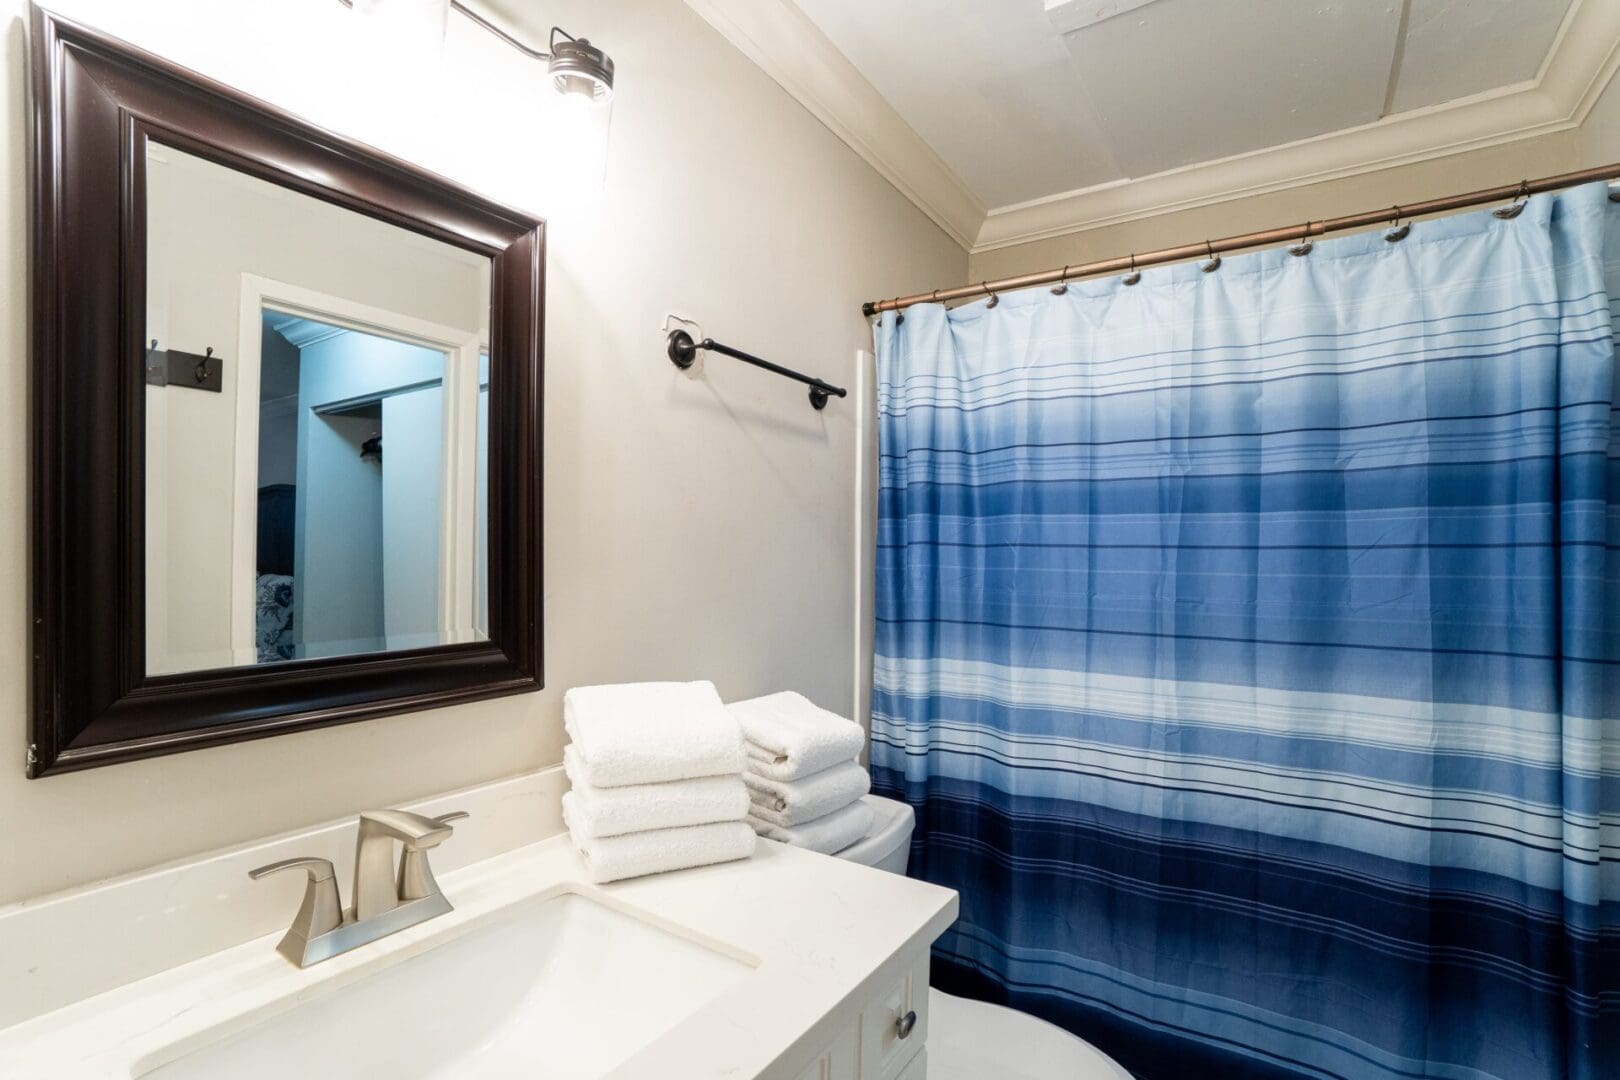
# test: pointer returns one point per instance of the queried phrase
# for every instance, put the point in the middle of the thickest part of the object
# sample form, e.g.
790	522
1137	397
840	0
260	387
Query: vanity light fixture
578	69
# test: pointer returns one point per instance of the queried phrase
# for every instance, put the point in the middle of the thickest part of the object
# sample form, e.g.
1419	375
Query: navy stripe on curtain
1249	646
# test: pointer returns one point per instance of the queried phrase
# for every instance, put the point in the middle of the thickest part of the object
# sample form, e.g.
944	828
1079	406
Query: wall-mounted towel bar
683	350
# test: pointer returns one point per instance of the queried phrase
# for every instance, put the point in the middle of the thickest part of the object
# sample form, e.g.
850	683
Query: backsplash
131	927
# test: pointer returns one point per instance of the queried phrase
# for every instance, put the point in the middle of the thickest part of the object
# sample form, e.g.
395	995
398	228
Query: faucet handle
415	875
322	909
319	869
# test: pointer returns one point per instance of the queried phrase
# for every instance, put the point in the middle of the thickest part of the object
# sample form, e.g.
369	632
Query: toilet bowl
972	1040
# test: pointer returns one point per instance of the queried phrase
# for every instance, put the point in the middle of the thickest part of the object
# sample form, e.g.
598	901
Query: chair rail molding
783	41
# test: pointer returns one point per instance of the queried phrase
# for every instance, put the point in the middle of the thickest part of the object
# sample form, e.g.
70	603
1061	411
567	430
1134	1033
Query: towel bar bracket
683	350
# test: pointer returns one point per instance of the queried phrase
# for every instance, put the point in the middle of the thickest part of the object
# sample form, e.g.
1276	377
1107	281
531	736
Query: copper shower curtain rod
1209	249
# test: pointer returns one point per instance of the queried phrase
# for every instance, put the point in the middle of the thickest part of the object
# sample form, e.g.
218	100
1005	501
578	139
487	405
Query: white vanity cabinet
886	1041
784	966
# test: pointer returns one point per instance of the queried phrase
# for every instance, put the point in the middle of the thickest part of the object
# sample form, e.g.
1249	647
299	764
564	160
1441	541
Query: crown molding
301	333
778	37
1587	55
791	49
1420	135
1577	68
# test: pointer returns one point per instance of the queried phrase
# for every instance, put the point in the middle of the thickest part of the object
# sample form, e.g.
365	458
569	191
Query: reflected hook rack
683	351
172	367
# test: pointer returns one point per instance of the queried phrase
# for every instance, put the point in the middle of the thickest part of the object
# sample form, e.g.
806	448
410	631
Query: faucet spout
375	885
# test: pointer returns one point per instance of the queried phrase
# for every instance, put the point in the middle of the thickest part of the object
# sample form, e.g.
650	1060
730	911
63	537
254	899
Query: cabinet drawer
895	1024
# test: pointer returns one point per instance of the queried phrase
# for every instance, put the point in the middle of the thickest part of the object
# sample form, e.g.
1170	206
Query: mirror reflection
317	409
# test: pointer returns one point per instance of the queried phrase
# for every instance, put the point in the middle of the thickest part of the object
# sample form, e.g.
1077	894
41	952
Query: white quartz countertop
819	933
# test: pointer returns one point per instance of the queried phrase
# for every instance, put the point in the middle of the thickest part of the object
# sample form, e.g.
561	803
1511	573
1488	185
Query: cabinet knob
903	1026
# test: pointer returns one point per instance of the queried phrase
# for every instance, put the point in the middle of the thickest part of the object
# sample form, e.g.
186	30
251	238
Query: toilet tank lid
892	823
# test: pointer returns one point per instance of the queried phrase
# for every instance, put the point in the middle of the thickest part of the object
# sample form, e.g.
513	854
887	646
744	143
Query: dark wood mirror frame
96	102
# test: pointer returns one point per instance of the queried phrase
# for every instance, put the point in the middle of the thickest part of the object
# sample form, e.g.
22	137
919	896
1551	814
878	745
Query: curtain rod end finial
869	309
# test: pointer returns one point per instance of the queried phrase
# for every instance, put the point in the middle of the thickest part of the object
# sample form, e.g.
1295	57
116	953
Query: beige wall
694	527
1506	164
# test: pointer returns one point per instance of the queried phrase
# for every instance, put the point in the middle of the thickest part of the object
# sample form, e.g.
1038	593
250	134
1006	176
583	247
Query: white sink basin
560	988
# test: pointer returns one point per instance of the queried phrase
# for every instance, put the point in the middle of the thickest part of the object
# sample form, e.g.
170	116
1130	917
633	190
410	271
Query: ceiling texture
1015	120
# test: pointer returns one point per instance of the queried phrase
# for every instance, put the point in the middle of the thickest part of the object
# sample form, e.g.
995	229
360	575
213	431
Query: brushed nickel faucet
384	901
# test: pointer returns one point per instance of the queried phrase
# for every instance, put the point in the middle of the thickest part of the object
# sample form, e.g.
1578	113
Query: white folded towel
828	835
794	802
646	733
635	807
635	854
790	736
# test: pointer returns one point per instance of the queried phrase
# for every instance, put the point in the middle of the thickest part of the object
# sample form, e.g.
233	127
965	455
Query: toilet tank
887	844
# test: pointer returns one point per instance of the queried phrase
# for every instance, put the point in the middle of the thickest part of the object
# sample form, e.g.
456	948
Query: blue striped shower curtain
1247	643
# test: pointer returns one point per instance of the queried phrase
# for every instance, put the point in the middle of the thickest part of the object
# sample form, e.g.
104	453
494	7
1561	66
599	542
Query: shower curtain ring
994	299
1520	198
1398	233
1304	246
899	315
1063	285
1214	262
1135	275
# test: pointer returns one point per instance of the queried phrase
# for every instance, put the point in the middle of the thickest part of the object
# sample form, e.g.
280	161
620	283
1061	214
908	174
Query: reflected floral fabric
273	622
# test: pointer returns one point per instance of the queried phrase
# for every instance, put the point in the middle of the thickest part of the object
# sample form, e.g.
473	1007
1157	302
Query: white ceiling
1026	99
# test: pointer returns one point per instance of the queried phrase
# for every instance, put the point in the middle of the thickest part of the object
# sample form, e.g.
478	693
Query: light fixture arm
488	24
575	65
494	28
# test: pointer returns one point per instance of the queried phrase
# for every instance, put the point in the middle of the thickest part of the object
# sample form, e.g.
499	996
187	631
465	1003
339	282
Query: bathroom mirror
319	491
286	420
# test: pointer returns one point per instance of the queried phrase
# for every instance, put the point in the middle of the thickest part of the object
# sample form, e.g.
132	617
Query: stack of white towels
804	783
656	771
